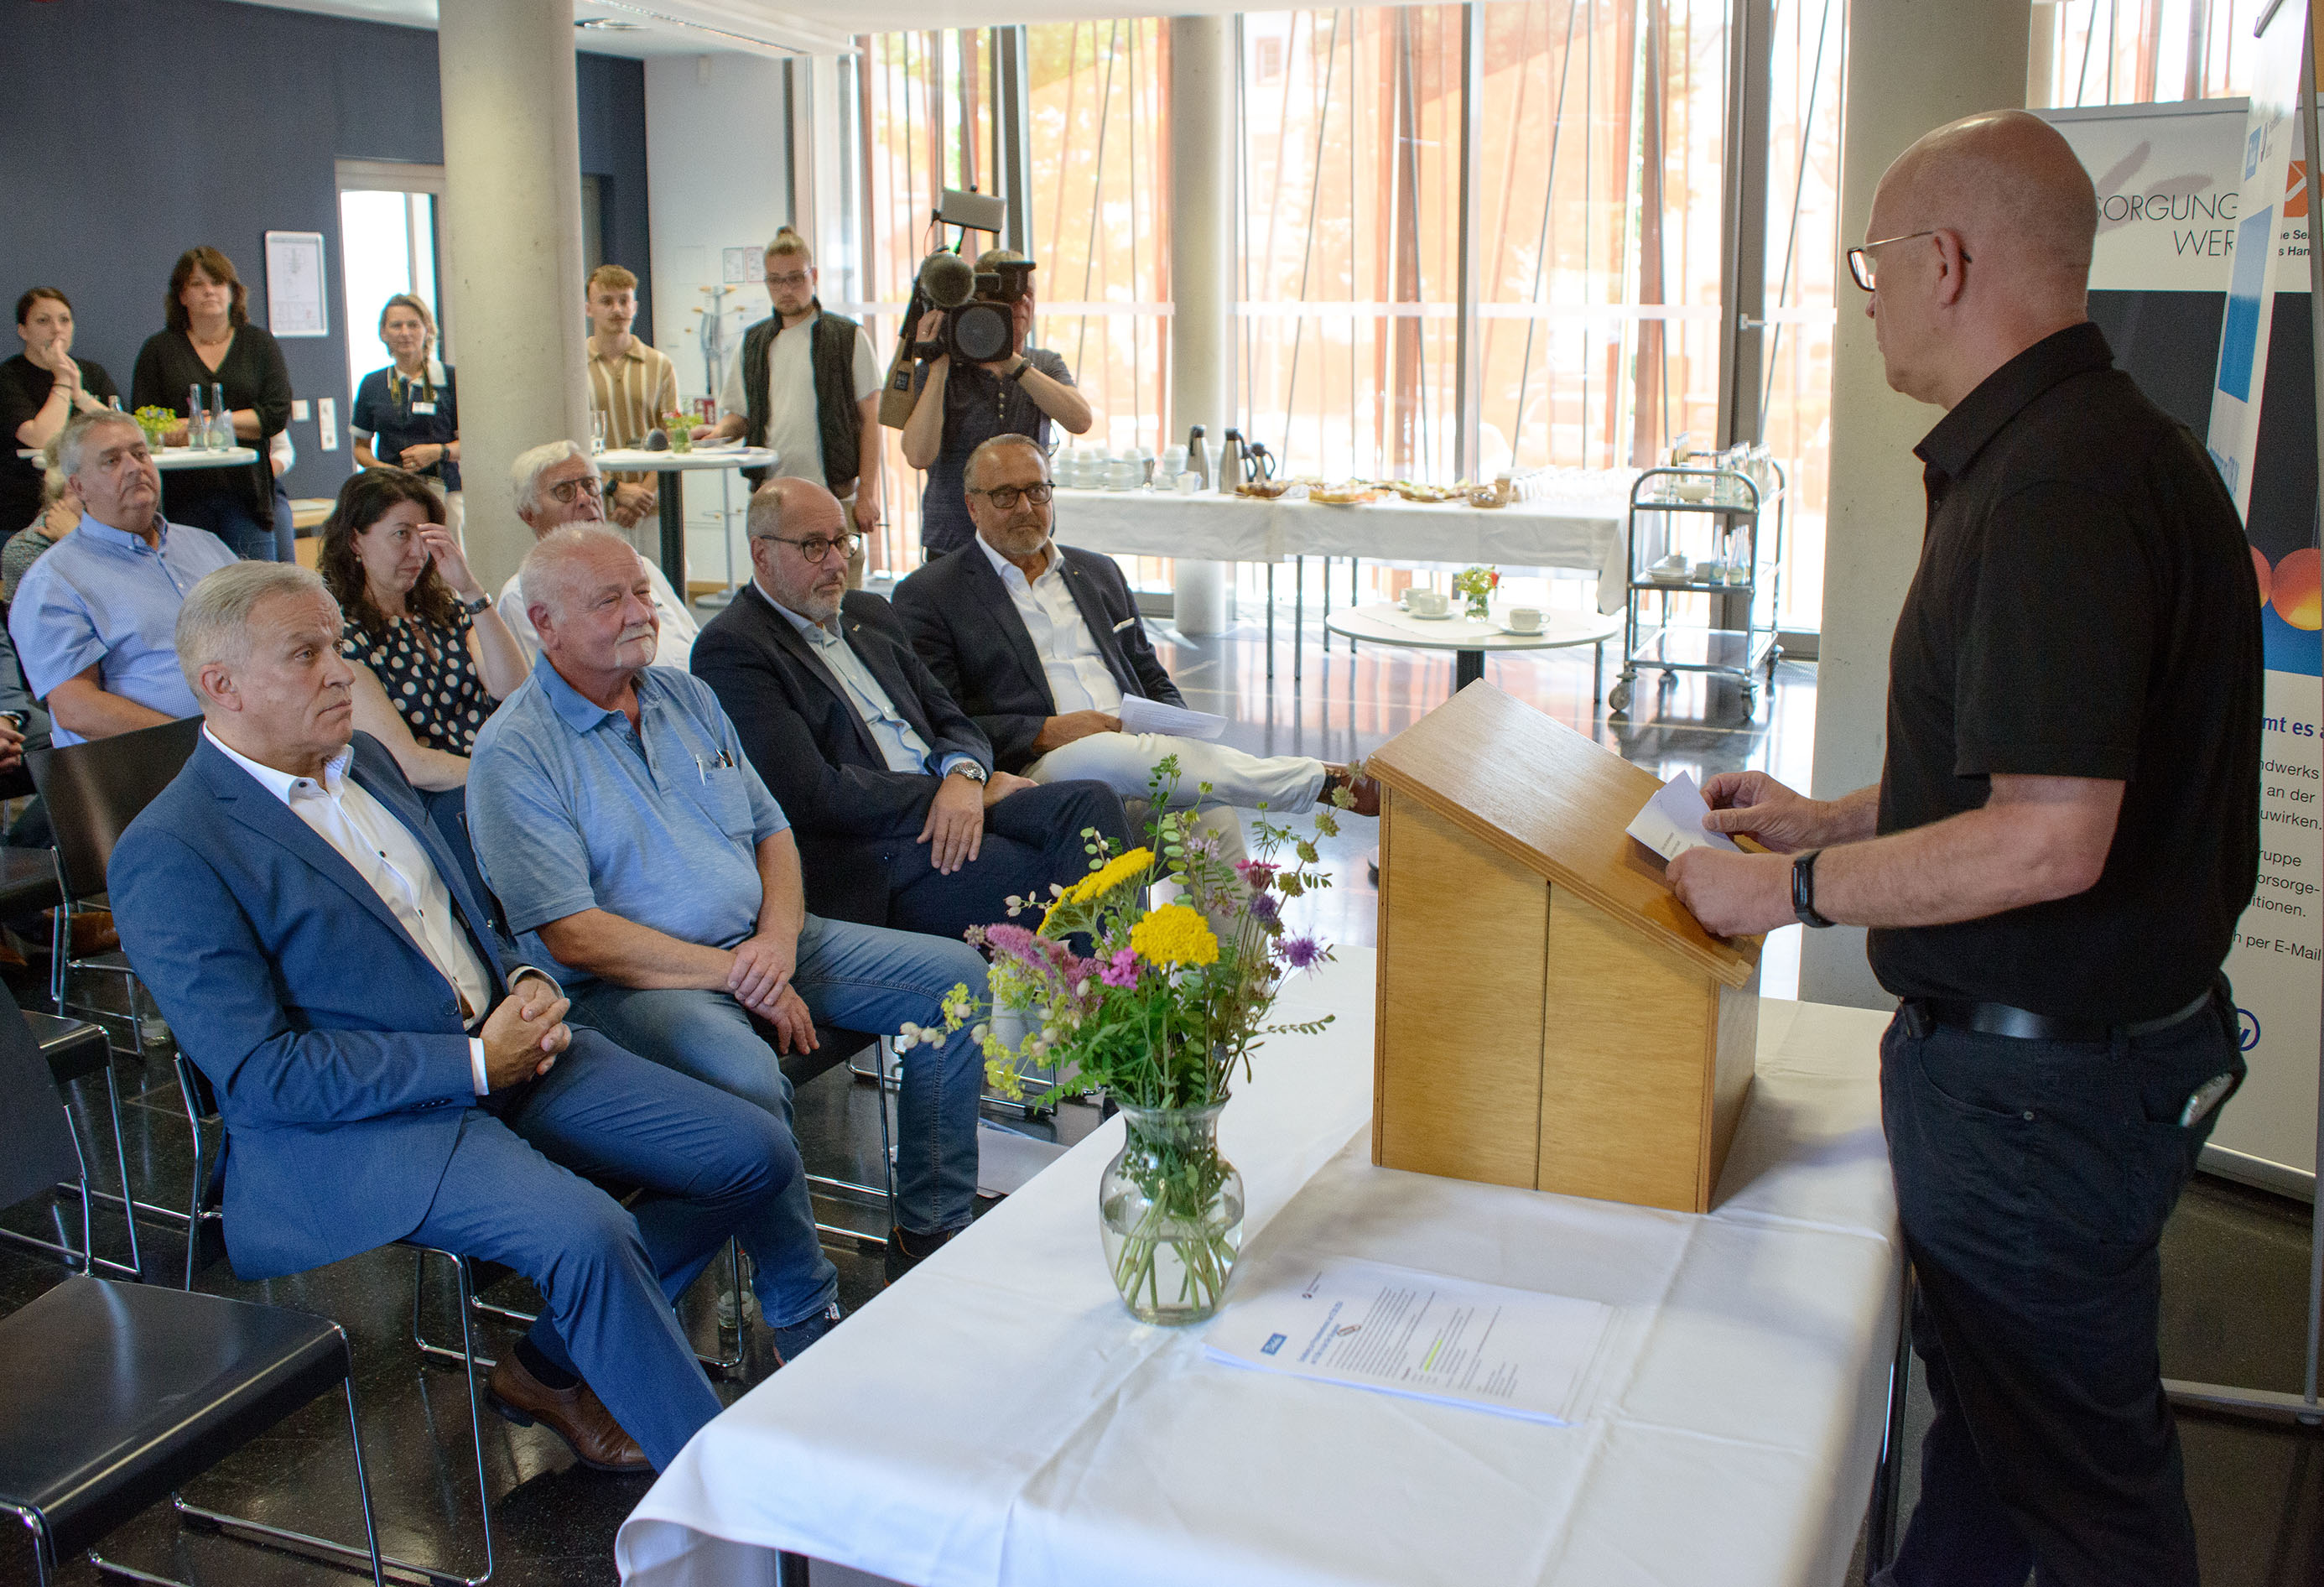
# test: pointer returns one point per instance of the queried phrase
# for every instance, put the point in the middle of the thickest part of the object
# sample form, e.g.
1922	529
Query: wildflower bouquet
1478	585
1158	1001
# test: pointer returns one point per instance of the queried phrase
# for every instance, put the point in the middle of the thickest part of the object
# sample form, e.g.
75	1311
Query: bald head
1985	227
790	517
2009	183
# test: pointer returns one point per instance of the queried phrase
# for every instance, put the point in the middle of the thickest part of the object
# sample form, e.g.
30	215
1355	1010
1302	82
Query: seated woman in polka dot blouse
432	657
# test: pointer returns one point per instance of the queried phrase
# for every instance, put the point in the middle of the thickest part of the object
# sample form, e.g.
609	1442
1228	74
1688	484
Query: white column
1911	68
513	250
1202	271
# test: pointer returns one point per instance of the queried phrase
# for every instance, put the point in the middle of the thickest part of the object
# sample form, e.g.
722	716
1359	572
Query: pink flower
1041	955
1256	872
1121	970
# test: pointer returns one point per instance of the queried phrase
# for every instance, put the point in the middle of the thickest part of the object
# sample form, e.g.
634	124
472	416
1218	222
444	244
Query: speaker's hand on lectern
1755	803
1733	895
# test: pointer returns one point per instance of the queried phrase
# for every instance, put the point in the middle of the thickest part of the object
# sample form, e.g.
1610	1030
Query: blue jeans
2033	1181
513	1193
864	978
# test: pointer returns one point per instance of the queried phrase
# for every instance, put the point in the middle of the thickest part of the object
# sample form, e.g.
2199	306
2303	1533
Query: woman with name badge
406	415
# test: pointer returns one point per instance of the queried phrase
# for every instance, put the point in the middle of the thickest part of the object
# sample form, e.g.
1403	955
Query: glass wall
1594	204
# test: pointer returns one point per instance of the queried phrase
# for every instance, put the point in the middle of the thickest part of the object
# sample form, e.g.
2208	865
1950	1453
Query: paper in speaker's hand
1672	821
1139	715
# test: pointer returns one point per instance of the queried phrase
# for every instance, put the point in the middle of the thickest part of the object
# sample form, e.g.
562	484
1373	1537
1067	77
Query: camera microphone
948	279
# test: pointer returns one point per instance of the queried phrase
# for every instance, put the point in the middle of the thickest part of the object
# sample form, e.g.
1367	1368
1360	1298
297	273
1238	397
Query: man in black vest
815	400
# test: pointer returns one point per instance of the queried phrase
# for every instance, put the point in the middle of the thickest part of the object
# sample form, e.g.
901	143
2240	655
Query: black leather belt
1924	1013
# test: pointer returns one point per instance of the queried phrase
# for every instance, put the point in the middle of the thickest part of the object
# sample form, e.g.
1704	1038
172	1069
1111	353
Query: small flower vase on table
1170	1211
1477	584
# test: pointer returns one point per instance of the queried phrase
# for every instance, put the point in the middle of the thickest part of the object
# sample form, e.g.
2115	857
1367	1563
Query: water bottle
221	438
114	402
197	420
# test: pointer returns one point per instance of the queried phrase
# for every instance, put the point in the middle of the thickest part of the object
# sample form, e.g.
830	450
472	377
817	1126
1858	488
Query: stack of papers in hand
1140	714
1672	821
1417	1334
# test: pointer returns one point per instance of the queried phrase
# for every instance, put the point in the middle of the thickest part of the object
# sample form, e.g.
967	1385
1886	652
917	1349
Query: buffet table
997	1418
1579	526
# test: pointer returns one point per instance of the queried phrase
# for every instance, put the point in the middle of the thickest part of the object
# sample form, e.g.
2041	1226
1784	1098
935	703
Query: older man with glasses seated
900	817
557	485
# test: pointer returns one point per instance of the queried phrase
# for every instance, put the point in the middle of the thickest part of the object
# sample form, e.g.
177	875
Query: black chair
93	791
74	1049
117	1394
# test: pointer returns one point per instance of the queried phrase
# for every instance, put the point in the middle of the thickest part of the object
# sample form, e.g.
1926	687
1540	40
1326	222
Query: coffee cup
1425	603
1525	618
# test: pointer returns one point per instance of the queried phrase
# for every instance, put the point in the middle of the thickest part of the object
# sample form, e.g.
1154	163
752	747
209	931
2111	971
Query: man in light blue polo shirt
632	845
95	620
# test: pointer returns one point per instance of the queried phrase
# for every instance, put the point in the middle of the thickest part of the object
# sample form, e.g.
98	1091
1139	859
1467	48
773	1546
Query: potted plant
157	423
1158	1004
681	428
1478	584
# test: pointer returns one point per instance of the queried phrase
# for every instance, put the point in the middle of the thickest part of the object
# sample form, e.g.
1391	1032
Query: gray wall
138	128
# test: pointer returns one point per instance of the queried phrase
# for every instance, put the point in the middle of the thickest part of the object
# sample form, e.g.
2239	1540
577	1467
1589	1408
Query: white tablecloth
1580	529
997	1417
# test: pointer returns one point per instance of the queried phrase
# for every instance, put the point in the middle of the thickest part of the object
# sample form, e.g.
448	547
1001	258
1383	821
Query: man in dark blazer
900	817
1041	643
387	1069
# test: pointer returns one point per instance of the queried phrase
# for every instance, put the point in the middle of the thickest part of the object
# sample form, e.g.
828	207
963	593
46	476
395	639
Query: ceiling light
610	24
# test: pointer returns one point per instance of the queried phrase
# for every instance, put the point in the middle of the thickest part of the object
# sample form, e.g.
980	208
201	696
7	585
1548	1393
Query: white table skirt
997	1418
1583	530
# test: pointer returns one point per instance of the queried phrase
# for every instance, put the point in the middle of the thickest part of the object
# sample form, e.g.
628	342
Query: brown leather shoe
575	1415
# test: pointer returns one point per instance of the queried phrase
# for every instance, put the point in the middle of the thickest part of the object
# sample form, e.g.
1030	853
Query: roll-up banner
2200	282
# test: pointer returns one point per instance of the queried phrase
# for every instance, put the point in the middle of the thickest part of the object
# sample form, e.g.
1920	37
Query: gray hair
213	624
968	469
524	474
542	574
72	440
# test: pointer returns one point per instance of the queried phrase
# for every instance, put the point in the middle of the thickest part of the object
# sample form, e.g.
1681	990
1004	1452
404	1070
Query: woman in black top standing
40	388
210	340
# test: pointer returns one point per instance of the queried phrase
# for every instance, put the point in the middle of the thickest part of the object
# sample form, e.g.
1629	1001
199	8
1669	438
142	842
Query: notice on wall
294	285
2166	288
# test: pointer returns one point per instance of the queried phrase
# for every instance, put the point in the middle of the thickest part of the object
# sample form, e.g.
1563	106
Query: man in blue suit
386	1068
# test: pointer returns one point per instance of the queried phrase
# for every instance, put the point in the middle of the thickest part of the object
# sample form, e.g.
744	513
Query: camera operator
815	397
957	411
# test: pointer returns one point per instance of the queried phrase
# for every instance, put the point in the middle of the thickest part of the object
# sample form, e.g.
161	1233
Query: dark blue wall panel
137	128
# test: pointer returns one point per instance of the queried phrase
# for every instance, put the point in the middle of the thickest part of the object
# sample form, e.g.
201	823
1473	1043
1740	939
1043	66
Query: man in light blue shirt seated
95	620
630	839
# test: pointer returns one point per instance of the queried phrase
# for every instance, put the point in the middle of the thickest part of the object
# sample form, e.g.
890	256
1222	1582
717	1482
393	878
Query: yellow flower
1175	935
1121	868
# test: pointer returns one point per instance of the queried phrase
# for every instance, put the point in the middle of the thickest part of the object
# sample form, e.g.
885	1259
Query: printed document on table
1672	821
1140	714
1419	1334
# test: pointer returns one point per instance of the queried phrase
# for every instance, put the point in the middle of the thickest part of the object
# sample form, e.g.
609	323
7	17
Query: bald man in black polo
2065	833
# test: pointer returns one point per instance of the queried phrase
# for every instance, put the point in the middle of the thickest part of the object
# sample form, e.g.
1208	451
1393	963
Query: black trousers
2032	1180
1032	838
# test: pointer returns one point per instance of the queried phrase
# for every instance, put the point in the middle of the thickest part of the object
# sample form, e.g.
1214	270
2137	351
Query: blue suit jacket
334	1048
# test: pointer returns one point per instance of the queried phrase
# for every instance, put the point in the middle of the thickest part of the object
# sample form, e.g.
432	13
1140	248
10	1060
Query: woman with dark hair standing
407	416
210	341
40	388
432	657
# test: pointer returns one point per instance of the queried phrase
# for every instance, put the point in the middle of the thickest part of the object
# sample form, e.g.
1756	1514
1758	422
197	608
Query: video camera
978	307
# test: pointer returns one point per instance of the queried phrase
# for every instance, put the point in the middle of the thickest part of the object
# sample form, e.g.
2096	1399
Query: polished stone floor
2234	1260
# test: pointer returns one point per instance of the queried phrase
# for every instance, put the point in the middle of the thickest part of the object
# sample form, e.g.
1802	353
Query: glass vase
1480	608
1170	1209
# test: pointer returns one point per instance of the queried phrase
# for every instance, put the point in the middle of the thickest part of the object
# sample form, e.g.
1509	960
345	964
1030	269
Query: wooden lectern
1549	1015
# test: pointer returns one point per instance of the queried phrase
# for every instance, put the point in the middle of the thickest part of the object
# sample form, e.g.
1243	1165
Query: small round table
671	493
171	459
1386	623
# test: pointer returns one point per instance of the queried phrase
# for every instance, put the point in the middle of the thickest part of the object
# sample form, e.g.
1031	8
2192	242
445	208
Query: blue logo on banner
2247	1030
1274	1342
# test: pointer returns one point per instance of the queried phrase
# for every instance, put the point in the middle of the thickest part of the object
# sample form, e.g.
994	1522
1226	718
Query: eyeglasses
1859	260
795	279
588	484
816	548
1005	497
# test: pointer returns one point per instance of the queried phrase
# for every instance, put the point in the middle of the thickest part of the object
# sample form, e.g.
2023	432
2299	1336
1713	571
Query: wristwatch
475	608
971	771
1804	907
1018	373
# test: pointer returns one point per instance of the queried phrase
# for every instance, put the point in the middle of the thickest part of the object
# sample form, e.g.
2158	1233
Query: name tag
423	408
